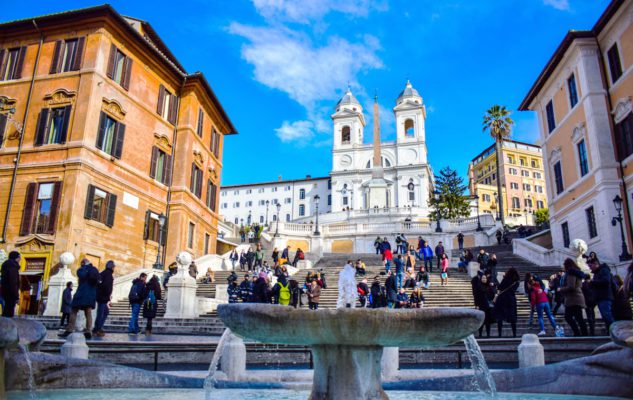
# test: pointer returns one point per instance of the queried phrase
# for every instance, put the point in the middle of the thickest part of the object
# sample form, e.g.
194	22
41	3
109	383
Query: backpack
150	301
284	294
135	295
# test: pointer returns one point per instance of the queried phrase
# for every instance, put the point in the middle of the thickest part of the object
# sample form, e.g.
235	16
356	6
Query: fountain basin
347	343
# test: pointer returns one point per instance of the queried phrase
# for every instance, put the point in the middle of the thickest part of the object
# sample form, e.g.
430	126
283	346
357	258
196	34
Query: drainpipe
171	177
612	122
19	153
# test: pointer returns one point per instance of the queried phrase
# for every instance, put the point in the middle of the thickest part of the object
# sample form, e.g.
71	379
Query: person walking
483	294
603	288
392	290
259	255
540	301
378	245
10	281
427	253
250	258
275	256
460	240
314	295
104	296
84	299
234	259
499	235
444	269
491	268
242	260
136	297
399	271
152	294
570	288
439	251
387	258
67	299
505	302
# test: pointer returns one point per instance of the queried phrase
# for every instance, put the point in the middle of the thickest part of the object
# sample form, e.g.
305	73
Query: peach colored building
583	102
102	131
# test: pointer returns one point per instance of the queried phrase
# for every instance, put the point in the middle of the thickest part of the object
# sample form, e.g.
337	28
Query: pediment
113	107
60	97
622	109
6	103
35	243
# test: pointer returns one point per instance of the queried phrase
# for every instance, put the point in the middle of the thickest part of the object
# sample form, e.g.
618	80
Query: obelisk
378	188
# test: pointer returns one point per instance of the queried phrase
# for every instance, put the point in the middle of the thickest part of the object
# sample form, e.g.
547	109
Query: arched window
346	135
411	189
302	194
236	220
274	218
261	219
385	163
409	130
287	217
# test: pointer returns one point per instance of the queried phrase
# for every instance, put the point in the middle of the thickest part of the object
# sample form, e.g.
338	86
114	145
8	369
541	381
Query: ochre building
101	132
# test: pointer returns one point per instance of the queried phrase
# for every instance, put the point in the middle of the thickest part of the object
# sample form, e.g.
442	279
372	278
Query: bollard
531	353
75	346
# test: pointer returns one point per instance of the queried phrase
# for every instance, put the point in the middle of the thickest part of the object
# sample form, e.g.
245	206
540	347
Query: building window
260	190
261	219
510	160
273	189
345	201
302	194
11	63
212	194
3	127
167	106
528	203
534	163
513	171
549	111
192	232
329	184
287	200
67	55
262	202
540	204
302	210
329	199
52	126
287	188
160	166
523	162
274	217
516	203
249	203
287	217
525	173
615	66
152	227
119	67
195	184
591	222
111	135
41	206
236	204
624	137
514	185
200	127
565	228
226	205
100	206
409	130
275	201
573	93
346	135
536	175
486	198
527	187
582	158
538	189
558	178
207	239
236	192
249	191
215	143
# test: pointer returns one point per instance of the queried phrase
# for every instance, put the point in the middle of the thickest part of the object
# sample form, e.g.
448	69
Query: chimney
308	176
279	178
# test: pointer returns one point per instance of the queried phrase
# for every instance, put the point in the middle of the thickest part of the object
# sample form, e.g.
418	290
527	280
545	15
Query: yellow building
583	98
522	181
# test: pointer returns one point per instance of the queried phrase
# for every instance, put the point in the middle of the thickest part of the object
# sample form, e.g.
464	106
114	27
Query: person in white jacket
347	290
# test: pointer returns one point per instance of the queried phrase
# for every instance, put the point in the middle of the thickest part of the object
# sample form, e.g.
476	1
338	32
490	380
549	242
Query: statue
347	290
580	247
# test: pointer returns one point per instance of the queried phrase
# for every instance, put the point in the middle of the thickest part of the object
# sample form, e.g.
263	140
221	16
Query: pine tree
451	202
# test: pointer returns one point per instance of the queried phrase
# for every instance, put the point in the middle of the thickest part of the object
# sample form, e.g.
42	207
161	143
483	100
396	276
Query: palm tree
498	122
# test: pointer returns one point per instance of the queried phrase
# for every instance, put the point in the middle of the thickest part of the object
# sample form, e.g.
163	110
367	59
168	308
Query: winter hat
263	275
14	255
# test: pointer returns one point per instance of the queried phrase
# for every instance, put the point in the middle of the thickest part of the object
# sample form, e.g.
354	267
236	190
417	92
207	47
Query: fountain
347	343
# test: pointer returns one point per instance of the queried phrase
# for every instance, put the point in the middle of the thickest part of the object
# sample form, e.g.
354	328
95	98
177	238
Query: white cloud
297	131
305	11
557	4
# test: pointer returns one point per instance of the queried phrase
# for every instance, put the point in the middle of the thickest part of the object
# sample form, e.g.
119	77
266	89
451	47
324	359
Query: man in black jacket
602	287
392	290
104	295
11	283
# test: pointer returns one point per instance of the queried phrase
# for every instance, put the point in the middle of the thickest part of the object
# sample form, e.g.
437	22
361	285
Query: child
67	298
444	267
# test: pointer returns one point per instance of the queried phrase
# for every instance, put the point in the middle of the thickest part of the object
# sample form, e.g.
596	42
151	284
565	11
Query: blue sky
279	66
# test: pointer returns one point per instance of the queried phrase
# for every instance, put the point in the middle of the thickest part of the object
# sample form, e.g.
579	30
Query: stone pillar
181	298
233	358
390	362
57	285
75	346
221	292
531	353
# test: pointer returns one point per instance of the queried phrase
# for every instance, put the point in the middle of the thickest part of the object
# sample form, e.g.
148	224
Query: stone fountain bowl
276	324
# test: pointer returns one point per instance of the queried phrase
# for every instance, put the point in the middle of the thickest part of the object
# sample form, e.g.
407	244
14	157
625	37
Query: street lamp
479	228
277	229
316	227
267	203
161	223
438	228
617	203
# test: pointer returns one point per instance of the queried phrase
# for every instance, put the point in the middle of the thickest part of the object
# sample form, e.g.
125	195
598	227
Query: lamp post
267	203
277	229
617	203
316	226
438	228
479	228
161	223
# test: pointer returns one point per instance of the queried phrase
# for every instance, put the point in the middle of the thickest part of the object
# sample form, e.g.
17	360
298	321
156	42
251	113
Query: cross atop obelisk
377	171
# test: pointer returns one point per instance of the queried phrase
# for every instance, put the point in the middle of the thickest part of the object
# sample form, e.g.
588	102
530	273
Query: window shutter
119	137
3	127
111	210
146	229
173	109
79	53
214	197
199	191
152	167
127	72
200	122
101	132
193	176
110	70
29	209
208	194
42	125
167	173
20	64
64	133
212	139
161	100
89	200
52	222
56	56
1	63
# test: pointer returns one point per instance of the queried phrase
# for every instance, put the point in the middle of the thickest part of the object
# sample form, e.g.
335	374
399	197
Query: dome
348	99
408	92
